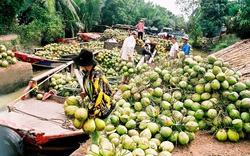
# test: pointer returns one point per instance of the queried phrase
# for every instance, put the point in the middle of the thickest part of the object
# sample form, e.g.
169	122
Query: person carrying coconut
127	50
96	87
186	46
174	48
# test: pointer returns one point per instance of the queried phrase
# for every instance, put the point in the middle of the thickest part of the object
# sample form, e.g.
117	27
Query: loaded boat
42	122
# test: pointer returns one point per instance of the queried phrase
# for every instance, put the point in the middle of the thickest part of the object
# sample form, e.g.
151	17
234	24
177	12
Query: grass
226	41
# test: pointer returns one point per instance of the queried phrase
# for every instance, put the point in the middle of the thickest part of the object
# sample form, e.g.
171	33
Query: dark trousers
145	52
140	35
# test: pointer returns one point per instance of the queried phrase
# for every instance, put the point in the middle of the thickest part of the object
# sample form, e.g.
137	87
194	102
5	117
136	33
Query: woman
140	28
96	87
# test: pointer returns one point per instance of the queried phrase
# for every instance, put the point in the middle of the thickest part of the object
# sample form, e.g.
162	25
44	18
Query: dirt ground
8	37
203	145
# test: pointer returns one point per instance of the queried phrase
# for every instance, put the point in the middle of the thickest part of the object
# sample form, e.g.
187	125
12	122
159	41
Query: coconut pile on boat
54	51
7	57
164	105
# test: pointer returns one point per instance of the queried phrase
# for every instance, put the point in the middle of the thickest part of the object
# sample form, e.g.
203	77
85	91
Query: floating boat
88	36
38	61
41	122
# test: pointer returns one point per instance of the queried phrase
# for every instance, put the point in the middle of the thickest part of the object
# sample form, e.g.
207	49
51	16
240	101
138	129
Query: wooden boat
38	61
40	122
88	36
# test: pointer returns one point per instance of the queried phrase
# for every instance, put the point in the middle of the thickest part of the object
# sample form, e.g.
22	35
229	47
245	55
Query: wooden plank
52	71
79	78
38	116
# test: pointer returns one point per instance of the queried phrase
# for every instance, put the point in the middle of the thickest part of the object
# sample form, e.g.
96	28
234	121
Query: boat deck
44	120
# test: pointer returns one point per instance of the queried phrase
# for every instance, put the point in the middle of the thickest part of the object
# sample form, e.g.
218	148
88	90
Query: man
128	50
174	48
128	47
186	46
97	89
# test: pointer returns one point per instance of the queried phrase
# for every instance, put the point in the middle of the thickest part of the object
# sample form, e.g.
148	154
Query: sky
169	4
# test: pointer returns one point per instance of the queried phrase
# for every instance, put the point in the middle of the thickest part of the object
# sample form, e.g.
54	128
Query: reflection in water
7	98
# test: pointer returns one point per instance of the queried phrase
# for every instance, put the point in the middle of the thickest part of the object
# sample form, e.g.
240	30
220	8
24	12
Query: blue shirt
186	48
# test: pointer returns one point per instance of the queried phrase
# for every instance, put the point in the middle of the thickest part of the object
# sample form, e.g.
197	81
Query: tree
211	18
188	6
43	28
89	13
9	10
113	12
67	9
238	19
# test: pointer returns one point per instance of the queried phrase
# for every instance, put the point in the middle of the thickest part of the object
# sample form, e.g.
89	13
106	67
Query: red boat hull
37	61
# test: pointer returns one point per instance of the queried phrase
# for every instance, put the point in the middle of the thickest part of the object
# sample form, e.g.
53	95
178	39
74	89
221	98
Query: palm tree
89	12
68	10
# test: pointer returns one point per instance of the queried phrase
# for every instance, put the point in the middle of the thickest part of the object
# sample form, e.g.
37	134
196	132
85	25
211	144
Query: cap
134	33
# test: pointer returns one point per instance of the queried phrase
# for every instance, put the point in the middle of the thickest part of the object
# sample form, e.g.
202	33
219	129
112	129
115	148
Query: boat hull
38	61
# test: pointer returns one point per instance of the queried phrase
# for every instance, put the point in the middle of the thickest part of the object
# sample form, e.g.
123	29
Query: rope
11	104
63	123
66	124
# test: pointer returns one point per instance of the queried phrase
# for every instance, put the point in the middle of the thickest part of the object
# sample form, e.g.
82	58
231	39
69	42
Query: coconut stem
95	137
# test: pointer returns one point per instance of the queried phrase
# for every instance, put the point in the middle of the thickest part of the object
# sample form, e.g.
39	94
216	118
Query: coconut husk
238	56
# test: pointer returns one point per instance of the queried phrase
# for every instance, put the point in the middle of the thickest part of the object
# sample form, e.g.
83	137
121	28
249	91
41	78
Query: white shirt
173	49
128	48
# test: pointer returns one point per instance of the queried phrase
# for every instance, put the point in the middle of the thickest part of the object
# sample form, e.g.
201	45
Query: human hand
83	94
129	58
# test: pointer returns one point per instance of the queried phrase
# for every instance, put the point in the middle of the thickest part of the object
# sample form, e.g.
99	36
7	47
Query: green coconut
233	135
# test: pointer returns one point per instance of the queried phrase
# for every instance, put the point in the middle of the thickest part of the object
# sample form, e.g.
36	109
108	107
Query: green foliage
211	17
9	10
238	20
43	29
225	41
131	11
69	13
31	33
90	11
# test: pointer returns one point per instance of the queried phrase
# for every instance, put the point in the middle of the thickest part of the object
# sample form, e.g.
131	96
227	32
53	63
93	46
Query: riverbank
15	76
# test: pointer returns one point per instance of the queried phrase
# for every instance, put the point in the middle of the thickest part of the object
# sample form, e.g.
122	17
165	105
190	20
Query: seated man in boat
97	89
